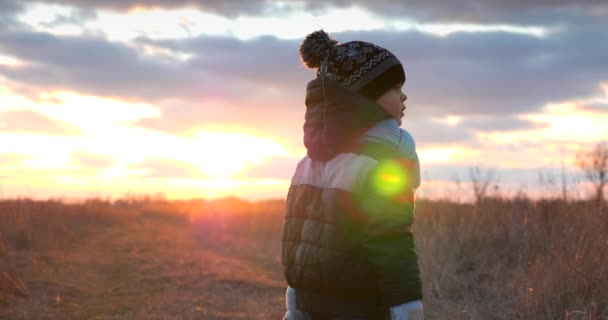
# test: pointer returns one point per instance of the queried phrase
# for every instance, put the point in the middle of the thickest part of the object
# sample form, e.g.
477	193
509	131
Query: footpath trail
151	268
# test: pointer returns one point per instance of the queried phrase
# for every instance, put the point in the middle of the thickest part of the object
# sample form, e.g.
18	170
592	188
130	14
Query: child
348	252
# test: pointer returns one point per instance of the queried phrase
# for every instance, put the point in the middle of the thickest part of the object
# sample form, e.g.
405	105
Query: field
154	259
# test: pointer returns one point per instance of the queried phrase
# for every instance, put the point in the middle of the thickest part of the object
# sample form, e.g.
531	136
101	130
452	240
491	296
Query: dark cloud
456	11
110	68
163	168
481	11
230	8
265	61
27	121
500	73
471	10
466	73
75	17
9	7
92	65
92	160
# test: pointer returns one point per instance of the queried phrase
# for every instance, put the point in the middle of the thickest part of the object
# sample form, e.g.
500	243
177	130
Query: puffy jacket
347	248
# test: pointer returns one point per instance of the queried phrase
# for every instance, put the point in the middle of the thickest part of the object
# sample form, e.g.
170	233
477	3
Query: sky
194	98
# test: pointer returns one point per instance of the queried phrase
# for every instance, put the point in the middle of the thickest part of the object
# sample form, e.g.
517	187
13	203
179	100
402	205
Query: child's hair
360	66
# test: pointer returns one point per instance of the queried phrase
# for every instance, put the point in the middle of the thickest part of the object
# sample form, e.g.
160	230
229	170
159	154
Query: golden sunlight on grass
148	258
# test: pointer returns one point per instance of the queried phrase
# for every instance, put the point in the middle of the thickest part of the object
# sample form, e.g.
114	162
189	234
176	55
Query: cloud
426	131
33	122
92	160
9	7
227	8
464	73
265	61
594	107
163	168
472	11
499	124
91	64
459	10
75	17
250	83
223	67
499	73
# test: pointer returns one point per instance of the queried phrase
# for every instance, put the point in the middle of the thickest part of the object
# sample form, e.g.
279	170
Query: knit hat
359	66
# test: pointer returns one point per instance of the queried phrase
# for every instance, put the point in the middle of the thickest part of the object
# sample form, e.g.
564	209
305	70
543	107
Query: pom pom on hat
315	48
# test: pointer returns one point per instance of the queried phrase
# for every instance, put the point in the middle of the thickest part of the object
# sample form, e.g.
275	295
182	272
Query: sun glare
223	154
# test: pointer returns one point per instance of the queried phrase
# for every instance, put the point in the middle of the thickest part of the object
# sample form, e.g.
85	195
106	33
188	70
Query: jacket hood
335	118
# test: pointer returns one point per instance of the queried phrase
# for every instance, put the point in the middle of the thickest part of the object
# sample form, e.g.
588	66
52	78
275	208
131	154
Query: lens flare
390	178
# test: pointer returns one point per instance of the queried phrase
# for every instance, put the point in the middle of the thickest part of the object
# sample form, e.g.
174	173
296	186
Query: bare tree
594	164
458	183
481	179
547	180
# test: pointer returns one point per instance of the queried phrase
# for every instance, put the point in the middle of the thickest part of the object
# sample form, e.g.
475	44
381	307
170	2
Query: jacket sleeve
386	198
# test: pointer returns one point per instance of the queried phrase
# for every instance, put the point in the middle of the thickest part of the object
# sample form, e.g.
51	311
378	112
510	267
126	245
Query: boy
348	252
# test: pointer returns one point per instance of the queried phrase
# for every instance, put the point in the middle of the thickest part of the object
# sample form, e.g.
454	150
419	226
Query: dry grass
146	259
513	259
132	260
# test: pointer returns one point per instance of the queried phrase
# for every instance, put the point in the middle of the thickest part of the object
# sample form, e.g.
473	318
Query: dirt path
148	269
